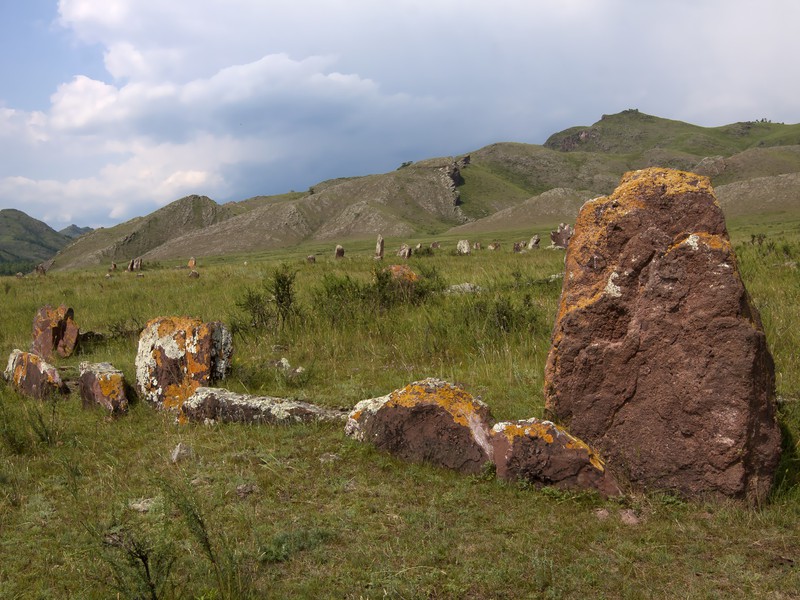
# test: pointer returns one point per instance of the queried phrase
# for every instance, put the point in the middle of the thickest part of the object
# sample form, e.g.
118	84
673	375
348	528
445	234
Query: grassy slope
23	238
332	518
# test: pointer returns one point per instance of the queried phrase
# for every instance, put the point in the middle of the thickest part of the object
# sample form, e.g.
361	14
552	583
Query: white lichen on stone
364	409
693	241
8	374
612	289
263	408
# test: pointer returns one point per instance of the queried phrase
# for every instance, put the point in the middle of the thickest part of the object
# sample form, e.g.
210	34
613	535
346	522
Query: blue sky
110	109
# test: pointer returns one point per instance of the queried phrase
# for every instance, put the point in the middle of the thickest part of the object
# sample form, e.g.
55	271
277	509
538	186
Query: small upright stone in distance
463	247
379	248
560	237
339	251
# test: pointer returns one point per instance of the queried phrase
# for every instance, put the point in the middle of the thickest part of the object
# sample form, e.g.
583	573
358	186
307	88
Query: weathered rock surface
212	404
379	248
427	421
54	331
659	359
402	273
177	355
463	247
31	375
338	252
560	237
102	385
542	453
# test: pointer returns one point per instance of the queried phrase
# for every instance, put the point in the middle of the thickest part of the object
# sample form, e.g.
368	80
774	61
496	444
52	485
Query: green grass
327	517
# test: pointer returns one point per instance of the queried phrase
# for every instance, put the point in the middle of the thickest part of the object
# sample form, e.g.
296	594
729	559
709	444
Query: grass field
94	508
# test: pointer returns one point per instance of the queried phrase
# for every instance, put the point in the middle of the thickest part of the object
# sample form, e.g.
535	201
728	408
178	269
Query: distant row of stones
658	363
559	239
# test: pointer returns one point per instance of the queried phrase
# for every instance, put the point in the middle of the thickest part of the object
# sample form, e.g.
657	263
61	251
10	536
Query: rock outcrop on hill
659	358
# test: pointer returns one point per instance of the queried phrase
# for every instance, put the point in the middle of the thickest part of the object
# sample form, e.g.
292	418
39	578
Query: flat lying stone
213	404
177	355
427	421
544	454
103	385
32	376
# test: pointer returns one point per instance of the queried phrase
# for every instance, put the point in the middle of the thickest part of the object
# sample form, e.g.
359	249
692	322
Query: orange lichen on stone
596	220
403	273
460	404
111	385
550	432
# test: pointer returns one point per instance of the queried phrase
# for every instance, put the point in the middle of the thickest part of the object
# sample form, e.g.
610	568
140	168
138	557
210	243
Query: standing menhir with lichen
659	358
177	355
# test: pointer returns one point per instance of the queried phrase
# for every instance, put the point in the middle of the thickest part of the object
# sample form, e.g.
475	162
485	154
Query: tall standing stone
659	358
54	332
463	247
379	248
338	252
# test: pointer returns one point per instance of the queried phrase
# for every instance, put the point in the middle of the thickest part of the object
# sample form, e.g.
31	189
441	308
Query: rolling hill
25	241
754	166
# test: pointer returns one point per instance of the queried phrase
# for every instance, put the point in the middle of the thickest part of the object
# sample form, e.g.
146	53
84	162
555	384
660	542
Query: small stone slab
544	454
32	376
54	331
429	421
103	385
219	405
177	355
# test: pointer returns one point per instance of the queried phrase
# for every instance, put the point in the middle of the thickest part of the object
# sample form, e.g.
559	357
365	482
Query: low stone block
32	376
103	385
544	454
212	404
427	421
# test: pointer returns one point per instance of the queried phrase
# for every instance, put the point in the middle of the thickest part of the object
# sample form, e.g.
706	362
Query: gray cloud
233	98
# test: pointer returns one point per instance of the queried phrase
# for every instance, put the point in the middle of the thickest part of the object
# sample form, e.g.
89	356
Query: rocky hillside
754	166
73	231
26	242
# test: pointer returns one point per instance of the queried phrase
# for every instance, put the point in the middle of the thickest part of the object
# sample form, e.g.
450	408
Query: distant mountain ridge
754	167
73	231
25	241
